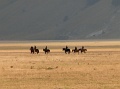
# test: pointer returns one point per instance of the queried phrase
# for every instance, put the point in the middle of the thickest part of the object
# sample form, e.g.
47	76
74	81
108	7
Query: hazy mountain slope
59	19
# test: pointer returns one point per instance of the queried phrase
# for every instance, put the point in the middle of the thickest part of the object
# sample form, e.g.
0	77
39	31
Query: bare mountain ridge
59	19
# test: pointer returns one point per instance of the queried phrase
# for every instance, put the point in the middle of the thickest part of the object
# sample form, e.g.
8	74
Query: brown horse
36	50
83	50
76	51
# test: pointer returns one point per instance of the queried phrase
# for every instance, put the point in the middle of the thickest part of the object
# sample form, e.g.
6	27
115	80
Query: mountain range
59	19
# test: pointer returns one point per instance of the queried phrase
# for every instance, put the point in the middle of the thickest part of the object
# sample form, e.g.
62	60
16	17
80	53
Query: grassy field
99	68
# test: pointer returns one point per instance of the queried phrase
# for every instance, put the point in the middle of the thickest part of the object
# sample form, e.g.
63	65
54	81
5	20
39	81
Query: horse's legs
65	52
69	52
81	51
32	52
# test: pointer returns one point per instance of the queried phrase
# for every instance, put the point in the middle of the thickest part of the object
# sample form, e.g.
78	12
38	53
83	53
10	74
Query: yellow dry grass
99	68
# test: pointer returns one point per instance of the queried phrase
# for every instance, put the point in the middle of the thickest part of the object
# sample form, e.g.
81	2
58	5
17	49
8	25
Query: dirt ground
98	68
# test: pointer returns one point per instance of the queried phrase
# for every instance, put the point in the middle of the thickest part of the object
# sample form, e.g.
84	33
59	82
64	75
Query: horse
66	50
32	50
36	50
76	51
46	51
83	50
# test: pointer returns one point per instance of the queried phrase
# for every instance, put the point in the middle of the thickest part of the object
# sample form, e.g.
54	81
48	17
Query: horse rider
66	47
46	48
34	47
82	47
75	48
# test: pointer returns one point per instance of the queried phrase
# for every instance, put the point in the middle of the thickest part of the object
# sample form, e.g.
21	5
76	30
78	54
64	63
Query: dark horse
66	50
36	50
32	50
76	51
46	51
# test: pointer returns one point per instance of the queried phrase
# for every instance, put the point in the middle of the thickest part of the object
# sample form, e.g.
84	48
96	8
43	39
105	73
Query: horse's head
73	50
64	49
43	49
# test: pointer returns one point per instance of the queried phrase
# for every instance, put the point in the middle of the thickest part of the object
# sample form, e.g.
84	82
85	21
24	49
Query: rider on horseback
34	47
75	48
82	47
46	48
66	47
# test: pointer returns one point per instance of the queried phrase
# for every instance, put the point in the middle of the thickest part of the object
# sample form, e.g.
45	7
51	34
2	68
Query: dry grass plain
99	68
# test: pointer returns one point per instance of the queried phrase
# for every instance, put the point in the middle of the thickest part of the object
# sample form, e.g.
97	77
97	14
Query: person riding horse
34	47
83	50
82	47
36	50
75	48
66	47
46	50
67	50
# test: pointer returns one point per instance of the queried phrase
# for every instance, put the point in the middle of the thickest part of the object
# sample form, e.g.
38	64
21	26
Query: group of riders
75	47
34	49
76	50
66	49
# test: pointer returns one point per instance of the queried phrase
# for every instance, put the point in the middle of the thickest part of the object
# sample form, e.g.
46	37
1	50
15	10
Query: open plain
98	68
